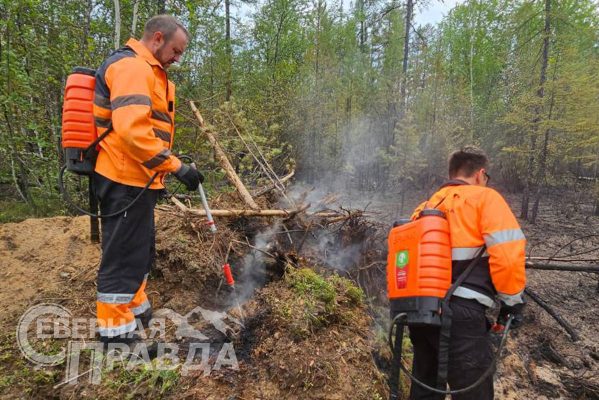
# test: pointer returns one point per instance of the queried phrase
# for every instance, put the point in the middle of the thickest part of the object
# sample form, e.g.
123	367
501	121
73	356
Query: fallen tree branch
224	161
255	248
266	168
548	259
564	267
269	188
179	204
334	216
560	320
244	213
239	212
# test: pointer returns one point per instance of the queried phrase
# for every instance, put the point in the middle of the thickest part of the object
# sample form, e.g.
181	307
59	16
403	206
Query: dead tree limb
224	161
565	259
266	168
560	320
564	267
238	212
269	188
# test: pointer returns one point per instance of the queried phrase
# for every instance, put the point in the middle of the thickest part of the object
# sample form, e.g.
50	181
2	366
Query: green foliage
322	84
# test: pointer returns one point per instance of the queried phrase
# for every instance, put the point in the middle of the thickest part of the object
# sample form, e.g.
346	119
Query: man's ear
480	177
158	38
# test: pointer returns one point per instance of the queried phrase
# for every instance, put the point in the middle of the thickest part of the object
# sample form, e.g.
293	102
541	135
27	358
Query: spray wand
205	204
231	282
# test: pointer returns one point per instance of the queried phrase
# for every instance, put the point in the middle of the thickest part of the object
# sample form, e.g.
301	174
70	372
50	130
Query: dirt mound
296	334
306	337
38	256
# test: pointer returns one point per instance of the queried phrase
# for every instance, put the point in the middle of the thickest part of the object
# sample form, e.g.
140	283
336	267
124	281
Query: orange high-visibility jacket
479	216
134	94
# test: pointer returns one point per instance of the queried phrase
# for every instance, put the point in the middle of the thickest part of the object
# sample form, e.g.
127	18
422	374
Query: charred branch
560	320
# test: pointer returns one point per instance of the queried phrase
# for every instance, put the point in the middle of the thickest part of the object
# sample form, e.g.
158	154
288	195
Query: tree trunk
538	110
224	162
362	29
86	28
228	83
117	24
406	53
161	6
473	29
277	39
540	179
135	15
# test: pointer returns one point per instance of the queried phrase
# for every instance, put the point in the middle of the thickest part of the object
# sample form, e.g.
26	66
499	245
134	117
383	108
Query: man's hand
516	311
189	176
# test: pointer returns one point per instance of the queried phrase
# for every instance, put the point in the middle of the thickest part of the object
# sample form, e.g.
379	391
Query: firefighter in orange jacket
134	102
478	217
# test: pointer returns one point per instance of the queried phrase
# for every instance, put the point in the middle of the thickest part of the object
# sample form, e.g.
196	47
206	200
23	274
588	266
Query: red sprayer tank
78	126
419	267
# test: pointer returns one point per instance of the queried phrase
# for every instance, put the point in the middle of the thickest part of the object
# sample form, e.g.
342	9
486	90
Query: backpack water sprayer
419	288
80	141
80	145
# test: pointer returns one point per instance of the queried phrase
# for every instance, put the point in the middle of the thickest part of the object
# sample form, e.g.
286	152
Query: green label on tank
401	259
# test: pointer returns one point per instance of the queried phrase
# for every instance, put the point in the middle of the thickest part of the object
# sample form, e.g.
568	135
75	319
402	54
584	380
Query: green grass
146	378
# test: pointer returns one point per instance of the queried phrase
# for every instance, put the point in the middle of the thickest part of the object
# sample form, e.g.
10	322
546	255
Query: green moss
308	283
317	301
353	293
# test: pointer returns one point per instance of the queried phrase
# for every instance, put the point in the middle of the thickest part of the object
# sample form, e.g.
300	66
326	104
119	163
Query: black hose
480	380
68	199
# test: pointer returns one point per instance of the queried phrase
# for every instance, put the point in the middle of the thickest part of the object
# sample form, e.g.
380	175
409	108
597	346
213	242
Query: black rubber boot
145	318
131	340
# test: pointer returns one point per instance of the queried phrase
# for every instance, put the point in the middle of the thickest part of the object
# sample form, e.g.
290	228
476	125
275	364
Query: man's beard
160	56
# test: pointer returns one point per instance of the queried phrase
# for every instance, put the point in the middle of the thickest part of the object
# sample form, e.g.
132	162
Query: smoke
336	256
254	272
356	157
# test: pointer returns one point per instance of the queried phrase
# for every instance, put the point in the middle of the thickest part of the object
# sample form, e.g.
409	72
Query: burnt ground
541	361
300	334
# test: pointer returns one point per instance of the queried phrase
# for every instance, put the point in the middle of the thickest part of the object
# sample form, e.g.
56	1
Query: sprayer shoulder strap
453	182
92	147
89	151
464	274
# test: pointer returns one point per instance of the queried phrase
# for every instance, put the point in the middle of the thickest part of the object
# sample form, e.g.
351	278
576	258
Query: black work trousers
470	353
128	252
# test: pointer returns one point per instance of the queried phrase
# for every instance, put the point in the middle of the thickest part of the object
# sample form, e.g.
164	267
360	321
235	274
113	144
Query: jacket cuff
511	299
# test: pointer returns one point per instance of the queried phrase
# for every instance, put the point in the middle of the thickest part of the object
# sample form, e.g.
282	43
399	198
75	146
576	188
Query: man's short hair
466	161
167	24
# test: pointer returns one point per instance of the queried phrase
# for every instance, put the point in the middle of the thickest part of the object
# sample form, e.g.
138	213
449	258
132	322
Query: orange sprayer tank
419	267
78	126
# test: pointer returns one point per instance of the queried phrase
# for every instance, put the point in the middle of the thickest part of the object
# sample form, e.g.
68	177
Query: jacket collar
143	52
454	182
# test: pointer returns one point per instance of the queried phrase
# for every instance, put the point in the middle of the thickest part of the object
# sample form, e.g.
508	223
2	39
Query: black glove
189	176
516	311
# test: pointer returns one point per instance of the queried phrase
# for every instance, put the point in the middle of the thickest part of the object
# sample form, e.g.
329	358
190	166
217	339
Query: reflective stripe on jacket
134	94
479	216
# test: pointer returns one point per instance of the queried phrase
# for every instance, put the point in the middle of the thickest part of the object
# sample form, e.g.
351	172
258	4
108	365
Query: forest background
353	95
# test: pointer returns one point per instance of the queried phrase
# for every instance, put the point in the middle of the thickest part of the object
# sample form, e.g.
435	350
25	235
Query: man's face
169	52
